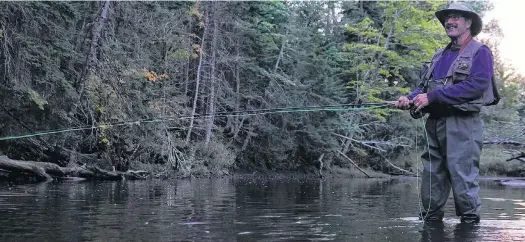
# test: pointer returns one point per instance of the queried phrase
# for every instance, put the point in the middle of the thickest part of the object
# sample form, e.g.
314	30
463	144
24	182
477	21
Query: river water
246	210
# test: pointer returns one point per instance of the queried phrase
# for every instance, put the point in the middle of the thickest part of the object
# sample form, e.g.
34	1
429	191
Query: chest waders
454	135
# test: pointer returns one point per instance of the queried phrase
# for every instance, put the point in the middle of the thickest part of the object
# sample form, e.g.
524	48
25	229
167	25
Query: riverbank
493	165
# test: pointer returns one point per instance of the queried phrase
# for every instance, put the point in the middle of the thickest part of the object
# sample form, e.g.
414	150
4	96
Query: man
457	83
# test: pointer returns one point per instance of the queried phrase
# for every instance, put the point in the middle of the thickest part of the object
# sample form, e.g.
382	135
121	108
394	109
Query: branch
373	144
364	143
353	163
502	141
520	157
399	168
370	123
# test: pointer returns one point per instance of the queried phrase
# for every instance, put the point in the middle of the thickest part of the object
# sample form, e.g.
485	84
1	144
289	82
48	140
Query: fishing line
334	108
430	176
430	171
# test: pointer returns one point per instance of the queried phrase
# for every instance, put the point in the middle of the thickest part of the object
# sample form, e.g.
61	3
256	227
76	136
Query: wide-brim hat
477	23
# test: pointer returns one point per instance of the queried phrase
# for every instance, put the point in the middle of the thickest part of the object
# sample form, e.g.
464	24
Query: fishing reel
416	114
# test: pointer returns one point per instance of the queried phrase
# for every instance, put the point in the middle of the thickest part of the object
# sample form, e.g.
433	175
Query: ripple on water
226	210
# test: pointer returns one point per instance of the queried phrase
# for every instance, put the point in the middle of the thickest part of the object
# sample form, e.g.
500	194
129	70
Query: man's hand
403	103
420	101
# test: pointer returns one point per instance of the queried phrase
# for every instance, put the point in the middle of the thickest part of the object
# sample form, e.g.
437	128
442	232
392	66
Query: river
246	210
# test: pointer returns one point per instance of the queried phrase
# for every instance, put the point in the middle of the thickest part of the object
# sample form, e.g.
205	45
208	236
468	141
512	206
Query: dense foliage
107	64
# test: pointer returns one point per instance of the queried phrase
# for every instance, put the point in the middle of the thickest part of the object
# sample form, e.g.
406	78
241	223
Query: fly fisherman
458	81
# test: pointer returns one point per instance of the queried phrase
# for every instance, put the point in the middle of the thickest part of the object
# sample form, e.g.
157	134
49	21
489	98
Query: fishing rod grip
412	108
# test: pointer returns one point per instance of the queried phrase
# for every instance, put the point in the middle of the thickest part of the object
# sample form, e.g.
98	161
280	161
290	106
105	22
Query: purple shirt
470	89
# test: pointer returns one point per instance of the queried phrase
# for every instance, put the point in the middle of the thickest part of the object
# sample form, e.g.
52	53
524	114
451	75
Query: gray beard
454	46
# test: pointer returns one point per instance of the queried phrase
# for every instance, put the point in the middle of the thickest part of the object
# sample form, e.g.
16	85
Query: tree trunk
91	56
236	122
237	130
247	140
281	53
390	31
330	18
188	60
186	76
197	80
211	98
393	25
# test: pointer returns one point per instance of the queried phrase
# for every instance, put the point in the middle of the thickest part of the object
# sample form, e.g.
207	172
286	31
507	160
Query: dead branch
373	144
396	167
502	141
520	157
364	143
353	163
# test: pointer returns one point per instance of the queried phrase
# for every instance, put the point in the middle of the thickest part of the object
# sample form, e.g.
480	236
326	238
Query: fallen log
45	171
15	168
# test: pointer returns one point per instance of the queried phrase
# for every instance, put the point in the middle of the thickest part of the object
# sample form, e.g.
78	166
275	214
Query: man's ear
469	23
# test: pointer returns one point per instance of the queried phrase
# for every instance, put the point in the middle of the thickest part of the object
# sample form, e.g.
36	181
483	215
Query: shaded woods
94	64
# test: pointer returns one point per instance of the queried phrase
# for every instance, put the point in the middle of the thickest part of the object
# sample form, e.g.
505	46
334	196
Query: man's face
456	24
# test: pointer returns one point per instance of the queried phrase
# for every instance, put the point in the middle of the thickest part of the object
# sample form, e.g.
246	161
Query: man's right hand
403	103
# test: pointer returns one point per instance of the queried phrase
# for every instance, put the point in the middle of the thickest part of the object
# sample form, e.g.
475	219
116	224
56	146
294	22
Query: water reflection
434	231
439	231
246	210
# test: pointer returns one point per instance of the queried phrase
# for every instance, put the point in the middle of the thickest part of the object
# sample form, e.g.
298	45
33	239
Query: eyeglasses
453	16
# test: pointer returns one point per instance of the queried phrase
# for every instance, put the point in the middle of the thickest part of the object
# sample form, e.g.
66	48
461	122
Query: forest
162	87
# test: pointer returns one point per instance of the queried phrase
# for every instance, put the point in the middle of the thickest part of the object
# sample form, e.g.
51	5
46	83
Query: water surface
246	210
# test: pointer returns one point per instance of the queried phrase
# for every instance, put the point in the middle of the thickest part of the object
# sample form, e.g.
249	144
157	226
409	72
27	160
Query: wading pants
451	161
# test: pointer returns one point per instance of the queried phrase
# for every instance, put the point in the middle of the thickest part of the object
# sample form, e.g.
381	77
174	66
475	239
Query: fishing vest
459	71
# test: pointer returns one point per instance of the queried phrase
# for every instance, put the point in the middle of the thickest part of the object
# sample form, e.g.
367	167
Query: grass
492	162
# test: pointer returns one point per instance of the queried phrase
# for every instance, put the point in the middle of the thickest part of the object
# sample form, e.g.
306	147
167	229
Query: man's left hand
420	101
